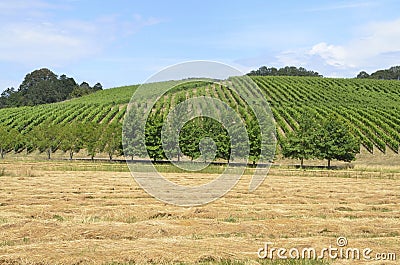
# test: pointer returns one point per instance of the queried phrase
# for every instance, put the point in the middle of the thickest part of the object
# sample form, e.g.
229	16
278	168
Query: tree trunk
110	156
302	162
329	163
2	153
71	154
49	153
179	156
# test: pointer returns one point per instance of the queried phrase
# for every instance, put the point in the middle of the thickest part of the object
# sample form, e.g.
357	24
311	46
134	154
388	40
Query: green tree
66	86
72	138
189	138
9	138
92	134
153	137
97	87
39	87
285	71
47	138
112	139
335	140
363	74
254	135
134	138
300	143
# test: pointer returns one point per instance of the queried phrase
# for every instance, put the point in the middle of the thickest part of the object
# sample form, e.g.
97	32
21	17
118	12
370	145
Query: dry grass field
77	213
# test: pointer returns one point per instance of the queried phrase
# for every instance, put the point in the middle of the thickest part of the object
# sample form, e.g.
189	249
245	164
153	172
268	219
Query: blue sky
123	42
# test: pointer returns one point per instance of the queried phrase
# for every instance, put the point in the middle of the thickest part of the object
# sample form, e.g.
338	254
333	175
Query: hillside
371	106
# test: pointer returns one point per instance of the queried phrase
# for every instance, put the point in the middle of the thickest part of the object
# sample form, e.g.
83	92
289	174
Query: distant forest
393	73
43	86
285	71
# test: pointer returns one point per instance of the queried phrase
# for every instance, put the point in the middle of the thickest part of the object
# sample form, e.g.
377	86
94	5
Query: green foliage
336	141
111	139
285	71
91	137
9	139
329	139
393	73
204	136
47	138
43	86
72	140
367	109
300	143
153	138
84	89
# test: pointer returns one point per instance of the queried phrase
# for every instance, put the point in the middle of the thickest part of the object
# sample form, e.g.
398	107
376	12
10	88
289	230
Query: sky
123	42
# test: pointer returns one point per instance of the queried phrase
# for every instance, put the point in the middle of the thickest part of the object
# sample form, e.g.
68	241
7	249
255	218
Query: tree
393	73
300	144
189	138
112	139
47	138
91	134
335	140
285	71
255	141
153	137
84	89
9	98
39	87
97	87
363	74
133	135
9	138
72	138
65	87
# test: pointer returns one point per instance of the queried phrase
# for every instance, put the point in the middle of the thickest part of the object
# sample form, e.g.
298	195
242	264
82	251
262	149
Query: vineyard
370	106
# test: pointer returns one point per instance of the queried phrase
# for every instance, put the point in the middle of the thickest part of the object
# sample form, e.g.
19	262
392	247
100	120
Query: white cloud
333	55
370	47
28	43
374	46
41	38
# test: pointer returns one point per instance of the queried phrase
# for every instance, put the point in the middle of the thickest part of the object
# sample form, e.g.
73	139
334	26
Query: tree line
393	73
285	71
204	138
317	138
71	138
43	86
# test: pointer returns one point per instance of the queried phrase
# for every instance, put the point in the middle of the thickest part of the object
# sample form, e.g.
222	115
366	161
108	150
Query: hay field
50	215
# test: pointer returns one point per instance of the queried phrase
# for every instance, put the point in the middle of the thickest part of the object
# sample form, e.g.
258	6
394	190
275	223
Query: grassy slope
283	94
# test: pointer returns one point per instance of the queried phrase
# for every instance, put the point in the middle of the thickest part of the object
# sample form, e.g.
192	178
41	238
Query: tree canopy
285	71
328	139
43	86
393	73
